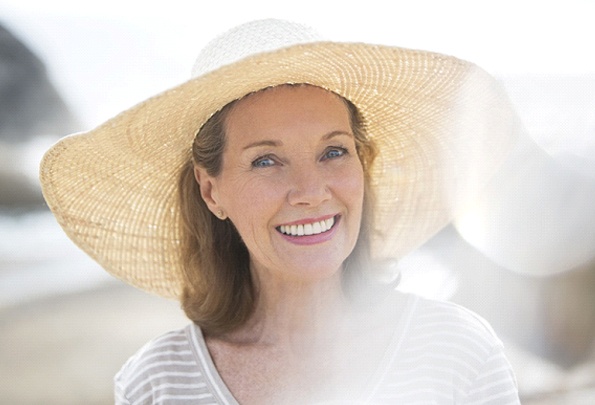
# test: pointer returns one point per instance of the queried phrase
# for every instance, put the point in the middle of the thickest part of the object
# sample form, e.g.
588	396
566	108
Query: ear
208	188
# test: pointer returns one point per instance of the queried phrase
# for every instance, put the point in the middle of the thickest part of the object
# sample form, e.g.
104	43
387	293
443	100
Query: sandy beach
66	349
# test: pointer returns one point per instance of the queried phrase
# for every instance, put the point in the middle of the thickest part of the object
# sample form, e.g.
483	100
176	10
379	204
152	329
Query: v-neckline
217	386
224	396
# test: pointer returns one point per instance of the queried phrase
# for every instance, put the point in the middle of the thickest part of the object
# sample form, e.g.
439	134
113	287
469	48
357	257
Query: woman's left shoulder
446	348
446	320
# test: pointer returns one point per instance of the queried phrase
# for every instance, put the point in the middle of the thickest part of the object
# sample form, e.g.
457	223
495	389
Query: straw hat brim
441	125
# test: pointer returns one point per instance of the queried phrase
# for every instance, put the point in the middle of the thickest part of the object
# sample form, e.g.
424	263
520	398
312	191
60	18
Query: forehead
287	92
288	108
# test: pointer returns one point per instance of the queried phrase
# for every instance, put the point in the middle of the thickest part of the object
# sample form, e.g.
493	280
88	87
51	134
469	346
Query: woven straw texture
442	127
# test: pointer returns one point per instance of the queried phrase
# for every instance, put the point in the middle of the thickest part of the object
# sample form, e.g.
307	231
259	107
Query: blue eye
264	161
334	153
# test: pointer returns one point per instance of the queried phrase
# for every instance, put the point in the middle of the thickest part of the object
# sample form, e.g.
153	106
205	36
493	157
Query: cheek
248	198
352	193
350	185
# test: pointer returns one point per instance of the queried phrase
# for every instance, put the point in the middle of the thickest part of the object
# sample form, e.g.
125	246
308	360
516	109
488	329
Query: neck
295	313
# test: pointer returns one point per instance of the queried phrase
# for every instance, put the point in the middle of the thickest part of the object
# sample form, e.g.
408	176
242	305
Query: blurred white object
537	217
559	113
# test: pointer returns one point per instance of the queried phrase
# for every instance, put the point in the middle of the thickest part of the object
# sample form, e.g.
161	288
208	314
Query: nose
308	187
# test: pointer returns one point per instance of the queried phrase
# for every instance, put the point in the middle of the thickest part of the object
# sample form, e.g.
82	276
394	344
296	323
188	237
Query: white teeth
316	228
308	229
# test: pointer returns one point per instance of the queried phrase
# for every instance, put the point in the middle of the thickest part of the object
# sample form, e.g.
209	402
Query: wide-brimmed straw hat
441	125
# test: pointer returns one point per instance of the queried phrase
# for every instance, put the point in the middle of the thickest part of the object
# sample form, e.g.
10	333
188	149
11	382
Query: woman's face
291	181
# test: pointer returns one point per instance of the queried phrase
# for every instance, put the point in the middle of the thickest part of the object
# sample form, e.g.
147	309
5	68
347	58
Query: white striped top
440	353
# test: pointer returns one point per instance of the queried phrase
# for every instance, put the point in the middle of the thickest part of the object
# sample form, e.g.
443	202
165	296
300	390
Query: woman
313	166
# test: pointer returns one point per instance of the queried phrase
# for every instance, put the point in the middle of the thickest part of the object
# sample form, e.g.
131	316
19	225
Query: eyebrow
333	134
262	143
326	137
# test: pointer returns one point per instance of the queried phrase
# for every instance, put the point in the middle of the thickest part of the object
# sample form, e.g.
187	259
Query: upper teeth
313	228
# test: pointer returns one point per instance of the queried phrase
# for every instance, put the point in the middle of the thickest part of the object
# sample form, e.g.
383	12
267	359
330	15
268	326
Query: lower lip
313	239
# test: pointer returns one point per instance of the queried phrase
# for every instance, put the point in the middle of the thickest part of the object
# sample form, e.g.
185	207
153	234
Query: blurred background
523	257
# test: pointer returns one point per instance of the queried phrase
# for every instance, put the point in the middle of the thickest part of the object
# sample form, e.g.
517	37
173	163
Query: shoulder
446	349
169	349
165	368
447	333
451	322
417	317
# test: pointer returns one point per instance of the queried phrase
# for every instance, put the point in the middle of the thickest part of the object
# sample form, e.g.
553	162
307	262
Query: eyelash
258	163
342	152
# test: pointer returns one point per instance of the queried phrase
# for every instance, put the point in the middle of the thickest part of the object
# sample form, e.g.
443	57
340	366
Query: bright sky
119	52
506	35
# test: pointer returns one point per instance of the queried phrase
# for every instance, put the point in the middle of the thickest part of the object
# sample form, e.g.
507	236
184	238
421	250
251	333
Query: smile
308	229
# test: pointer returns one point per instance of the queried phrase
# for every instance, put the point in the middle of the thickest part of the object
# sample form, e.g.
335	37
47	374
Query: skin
290	159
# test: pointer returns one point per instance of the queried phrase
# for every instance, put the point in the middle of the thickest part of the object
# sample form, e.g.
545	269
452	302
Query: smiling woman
302	167
270	138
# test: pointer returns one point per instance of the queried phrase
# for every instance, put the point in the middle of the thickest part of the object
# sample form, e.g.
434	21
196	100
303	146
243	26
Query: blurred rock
29	104
18	193
30	108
